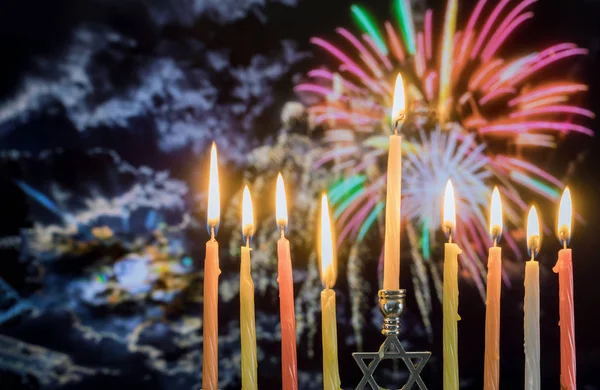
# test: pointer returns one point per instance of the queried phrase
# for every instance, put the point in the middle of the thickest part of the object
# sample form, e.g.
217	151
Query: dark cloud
186	92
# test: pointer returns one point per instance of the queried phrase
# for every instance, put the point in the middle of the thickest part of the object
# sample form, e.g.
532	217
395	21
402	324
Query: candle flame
534	238
399	105
214	199
281	203
247	215
565	217
449	220
326	249
496	216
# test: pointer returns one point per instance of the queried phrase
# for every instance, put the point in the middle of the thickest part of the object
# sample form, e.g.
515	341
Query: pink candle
564	268
491	373
210	345
289	370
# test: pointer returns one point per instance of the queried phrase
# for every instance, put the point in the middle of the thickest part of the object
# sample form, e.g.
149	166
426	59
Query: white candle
531	305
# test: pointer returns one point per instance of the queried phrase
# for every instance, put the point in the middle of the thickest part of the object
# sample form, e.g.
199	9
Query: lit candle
450	294
247	320
491	373
531	306
289	370
564	268
391	255
331	373
210	352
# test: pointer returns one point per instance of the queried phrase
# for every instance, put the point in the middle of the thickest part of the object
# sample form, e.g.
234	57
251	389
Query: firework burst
489	111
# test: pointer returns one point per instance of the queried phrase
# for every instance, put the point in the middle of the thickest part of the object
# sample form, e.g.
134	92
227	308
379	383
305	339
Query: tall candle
564	268
289	370
450	295
210	347
531	305
391	255
331	373
491	373
247	320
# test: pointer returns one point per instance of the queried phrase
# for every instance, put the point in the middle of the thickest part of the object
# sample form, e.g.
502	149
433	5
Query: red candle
210	345
564	268
289	370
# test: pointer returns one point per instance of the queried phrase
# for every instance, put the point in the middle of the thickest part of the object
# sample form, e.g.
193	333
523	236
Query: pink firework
490	110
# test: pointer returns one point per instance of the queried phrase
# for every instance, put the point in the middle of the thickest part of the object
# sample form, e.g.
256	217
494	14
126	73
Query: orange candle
391	255
289	370
491	373
564	268
210	351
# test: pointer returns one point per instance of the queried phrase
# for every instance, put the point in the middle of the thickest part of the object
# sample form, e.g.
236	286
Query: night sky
107	111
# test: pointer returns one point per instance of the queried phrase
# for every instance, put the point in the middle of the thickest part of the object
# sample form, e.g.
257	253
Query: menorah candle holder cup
391	305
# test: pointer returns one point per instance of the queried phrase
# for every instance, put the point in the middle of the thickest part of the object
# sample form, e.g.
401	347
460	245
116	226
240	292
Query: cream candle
210	331
491	362
331	372
564	268
247	315
391	254
450	295
531	305
289	368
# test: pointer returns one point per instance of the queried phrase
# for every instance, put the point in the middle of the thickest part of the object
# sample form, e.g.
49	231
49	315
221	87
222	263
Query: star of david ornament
391	304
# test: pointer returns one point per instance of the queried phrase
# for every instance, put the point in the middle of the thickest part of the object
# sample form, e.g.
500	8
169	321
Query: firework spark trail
509	24
489	96
501	36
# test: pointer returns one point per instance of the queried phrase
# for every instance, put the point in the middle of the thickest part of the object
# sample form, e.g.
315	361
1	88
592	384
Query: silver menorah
391	305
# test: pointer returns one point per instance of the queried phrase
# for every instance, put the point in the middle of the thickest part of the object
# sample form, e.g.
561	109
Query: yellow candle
391	255
531	305
450	295
247	320
331	373
491	373
210	331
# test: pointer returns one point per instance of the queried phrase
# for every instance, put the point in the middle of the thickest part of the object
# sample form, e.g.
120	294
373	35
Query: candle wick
282	231
495	241
449	234
563	239
212	233
397	123
247	241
